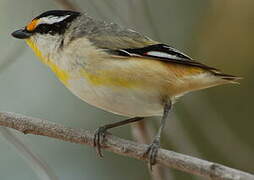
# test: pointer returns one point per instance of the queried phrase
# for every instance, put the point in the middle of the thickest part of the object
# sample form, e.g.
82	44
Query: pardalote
116	69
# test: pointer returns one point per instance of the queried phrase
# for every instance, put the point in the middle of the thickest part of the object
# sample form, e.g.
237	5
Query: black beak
21	34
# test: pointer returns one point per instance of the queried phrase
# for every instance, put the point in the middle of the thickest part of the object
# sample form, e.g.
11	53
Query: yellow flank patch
60	73
183	71
106	78
195	70
32	25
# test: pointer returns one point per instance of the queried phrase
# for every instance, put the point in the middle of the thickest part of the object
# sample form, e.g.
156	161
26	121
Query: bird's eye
57	25
43	28
52	25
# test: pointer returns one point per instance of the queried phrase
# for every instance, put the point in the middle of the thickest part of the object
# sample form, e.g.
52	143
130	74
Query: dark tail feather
227	77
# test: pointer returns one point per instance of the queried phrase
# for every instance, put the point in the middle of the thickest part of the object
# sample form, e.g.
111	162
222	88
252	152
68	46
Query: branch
29	125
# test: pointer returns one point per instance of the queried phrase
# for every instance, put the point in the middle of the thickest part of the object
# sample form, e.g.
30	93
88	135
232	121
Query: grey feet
99	136
101	132
153	148
152	152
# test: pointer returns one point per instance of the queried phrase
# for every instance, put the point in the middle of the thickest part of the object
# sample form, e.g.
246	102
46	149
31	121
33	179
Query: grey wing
109	35
120	41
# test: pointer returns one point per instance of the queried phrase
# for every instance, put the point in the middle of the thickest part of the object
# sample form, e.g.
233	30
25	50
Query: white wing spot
160	54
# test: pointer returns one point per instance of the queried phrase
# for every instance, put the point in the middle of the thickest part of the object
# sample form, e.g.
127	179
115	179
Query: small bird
116	69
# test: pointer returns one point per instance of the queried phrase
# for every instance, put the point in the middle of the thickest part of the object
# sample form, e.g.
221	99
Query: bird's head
47	29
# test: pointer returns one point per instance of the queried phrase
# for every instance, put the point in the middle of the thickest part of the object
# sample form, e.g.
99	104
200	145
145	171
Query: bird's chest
115	94
107	87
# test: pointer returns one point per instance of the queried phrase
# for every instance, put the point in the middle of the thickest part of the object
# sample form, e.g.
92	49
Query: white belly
129	102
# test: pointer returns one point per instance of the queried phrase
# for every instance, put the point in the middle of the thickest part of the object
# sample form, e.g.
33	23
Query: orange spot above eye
32	25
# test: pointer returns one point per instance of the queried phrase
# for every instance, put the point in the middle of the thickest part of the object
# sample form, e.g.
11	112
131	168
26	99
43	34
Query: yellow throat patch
60	73
102	78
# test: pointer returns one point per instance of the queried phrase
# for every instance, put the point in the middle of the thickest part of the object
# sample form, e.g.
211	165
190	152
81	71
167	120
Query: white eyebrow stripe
52	19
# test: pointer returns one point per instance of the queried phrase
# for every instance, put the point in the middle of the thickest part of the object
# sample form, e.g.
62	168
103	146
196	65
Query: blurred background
214	124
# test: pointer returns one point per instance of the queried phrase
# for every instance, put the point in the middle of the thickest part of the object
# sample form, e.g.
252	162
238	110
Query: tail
227	78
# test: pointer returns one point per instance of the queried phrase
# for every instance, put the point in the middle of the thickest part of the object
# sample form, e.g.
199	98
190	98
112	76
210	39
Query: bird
117	69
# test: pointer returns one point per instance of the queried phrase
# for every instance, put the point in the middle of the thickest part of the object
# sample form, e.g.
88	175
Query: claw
99	136
152	152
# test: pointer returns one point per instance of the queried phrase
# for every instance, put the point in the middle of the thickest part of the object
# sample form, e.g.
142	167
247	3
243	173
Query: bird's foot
152	152
98	139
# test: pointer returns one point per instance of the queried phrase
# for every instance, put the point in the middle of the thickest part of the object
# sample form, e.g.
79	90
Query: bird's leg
153	148
100	133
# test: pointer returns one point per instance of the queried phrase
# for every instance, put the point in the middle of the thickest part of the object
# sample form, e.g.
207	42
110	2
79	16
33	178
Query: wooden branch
30	125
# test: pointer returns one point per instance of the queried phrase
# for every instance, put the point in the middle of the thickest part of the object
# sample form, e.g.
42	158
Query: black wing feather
170	55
